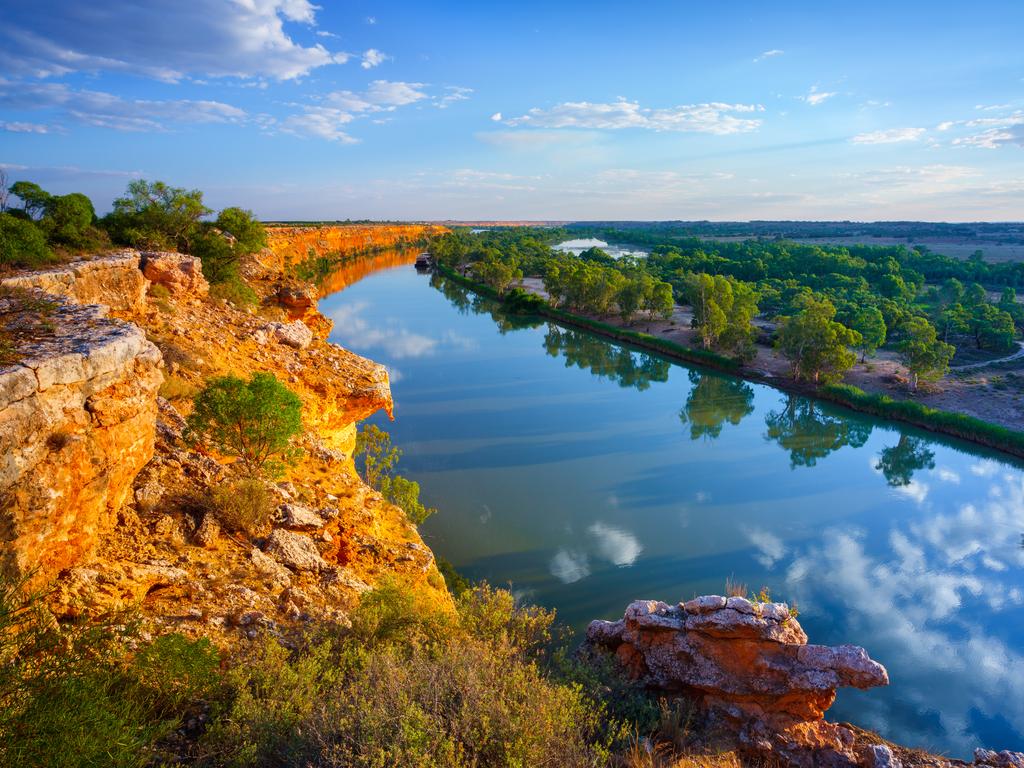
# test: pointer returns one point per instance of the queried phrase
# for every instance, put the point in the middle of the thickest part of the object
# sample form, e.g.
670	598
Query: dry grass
177	388
244	505
735	588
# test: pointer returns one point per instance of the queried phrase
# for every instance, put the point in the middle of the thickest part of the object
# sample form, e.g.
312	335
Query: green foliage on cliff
252	420
97	695
405	684
378	459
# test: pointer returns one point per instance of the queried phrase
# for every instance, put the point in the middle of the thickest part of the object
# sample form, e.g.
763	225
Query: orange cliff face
293	245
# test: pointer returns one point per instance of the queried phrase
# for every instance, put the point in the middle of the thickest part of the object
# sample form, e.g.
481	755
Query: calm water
587	475
579	245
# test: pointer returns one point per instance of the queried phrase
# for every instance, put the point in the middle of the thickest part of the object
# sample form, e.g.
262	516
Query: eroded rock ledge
752	673
77	423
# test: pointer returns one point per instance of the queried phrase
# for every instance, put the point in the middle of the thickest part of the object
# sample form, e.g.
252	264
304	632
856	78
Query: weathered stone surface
748	664
295	334
77	423
300	518
295	551
296	297
113	280
1004	759
269	568
208	532
179	273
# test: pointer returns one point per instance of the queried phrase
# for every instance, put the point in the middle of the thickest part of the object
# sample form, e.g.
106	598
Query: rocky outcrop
750	668
113	280
178	273
77	423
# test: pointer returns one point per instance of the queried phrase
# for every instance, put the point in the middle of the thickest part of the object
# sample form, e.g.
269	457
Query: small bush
159	291
73	697
22	243
253	420
243	506
235	291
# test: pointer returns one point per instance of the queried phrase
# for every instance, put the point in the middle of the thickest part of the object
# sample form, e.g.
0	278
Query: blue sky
533	110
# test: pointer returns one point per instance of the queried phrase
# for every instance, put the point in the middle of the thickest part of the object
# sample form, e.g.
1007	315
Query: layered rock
178	273
77	423
113	280
294	245
747	664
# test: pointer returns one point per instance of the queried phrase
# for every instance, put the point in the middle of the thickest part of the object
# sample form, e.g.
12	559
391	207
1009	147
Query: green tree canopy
154	214
22	243
926	357
870	324
34	199
815	343
253	420
992	327
379	460
249	233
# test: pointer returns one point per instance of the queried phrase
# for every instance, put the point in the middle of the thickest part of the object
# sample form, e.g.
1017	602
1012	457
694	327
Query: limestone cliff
77	423
103	496
293	245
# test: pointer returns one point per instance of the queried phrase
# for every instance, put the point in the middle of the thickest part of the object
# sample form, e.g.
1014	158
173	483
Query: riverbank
869	394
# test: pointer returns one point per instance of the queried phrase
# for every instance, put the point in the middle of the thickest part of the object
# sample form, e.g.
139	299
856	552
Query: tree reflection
901	461
713	401
628	368
456	294
809	434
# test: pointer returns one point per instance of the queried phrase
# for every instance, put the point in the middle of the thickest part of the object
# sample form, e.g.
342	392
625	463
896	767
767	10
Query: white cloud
569	567
452	94
164	39
889	136
770	548
616	545
768	55
496	117
105	110
947	475
327	119
713	117
373	58
22	127
815	96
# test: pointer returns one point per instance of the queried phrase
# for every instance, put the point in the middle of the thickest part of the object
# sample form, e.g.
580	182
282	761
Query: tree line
38	227
825	307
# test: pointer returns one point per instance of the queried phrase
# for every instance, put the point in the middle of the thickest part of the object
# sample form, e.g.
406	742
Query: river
586	475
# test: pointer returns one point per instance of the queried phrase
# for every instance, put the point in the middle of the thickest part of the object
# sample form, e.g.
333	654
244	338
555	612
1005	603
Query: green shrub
410	686
253	420
22	243
235	291
378	459
91	696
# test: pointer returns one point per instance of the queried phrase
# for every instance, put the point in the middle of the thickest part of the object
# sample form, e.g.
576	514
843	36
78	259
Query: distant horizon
907	111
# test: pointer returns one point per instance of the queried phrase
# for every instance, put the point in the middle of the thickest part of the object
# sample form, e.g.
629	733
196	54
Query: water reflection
809	433
713	401
605	360
585	495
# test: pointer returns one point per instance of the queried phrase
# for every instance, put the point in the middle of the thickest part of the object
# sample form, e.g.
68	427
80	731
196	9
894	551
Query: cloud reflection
939	603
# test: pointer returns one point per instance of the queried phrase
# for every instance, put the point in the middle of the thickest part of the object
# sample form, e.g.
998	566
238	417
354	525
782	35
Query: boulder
300	518
296	298
180	274
297	552
295	334
750	668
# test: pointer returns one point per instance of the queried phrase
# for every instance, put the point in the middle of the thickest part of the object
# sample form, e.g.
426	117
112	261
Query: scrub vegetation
489	684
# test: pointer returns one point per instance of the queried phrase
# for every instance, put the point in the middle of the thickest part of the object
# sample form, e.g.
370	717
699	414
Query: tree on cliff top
253	420
156	215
